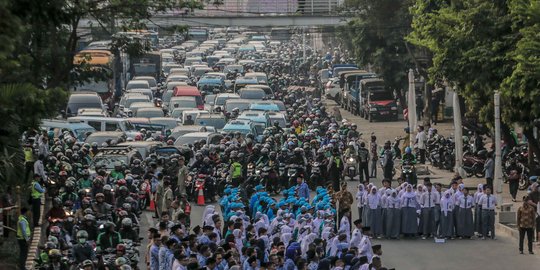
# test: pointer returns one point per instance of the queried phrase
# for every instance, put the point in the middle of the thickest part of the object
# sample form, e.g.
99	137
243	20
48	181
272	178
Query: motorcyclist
123	193
89	225
408	157
264	159
69	194
353	134
136	167
117	173
109	238
299	159
127	231
100	207
85	181
57	211
82	250
55	261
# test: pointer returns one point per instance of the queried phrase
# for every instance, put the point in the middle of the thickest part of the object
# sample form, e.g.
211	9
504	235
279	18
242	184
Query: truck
377	102
148	64
349	83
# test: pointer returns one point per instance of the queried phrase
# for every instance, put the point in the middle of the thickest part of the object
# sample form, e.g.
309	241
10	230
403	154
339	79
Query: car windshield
220	101
229	106
137	99
109	161
386	95
98	139
188	140
149	113
185	103
74	107
280	120
137	86
252	94
217	123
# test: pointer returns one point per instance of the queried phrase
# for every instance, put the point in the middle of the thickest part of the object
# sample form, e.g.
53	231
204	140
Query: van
83	100
107	124
189	91
78	129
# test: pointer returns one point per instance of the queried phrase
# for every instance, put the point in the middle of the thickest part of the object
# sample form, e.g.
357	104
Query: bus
101	62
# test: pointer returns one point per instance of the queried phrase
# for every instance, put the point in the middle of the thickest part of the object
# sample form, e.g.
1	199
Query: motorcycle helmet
87	263
55	253
126	222
89	217
408	150
121	260
126	206
82	234
55	231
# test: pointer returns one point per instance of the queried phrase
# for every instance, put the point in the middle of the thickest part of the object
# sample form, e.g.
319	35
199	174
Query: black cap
376	247
366	228
176	227
358	221
208	228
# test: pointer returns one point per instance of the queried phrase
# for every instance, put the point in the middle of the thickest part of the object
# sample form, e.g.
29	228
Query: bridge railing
269	7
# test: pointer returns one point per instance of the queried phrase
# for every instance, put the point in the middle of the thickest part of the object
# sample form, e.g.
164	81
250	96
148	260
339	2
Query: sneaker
423	238
493	238
530	252
520	252
483	238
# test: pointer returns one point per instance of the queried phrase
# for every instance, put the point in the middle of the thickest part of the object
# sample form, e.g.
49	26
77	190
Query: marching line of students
427	211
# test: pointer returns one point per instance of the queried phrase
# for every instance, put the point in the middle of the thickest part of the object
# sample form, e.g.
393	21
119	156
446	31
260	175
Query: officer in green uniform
36	193
235	170
23	237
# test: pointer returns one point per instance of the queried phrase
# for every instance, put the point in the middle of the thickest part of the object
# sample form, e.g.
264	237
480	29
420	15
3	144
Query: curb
36	238
514	233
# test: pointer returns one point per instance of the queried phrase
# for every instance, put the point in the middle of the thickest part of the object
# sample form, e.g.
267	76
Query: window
111	126
95	124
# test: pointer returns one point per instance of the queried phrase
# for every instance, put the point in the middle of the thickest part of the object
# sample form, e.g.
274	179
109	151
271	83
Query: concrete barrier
36	238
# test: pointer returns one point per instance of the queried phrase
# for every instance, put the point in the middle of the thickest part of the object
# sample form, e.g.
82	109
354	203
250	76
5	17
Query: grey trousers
488	222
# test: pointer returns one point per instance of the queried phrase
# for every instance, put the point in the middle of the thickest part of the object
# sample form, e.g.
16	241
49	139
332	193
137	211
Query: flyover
246	20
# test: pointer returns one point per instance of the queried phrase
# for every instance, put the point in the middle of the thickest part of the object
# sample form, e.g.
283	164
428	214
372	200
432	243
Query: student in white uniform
409	225
447	218
489	202
427	202
374	203
478	210
393	215
465	215
360	200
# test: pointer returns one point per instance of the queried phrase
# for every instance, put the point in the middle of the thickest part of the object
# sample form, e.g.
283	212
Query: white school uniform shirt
428	199
408	201
488	202
360	199
392	202
383	201
457	196
477	196
470	201
373	201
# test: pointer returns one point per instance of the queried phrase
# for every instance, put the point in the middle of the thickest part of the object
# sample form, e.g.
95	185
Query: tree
522	88
376	38
470	42
22	106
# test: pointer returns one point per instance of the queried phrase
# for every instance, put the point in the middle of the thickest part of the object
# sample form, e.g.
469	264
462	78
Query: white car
332	89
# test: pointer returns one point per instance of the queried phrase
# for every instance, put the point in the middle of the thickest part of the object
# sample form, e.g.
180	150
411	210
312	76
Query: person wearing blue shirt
302	189
154	252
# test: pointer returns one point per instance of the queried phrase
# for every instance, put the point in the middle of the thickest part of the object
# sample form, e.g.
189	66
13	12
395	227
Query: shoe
521	252
514	200
493	238
483	238
530	252
423	238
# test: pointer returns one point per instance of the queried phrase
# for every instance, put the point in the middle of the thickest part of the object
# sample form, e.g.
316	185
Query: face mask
82	240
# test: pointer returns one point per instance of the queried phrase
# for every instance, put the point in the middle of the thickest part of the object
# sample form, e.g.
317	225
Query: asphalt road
408	254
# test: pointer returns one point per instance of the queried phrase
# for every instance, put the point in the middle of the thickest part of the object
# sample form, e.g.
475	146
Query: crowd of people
268	217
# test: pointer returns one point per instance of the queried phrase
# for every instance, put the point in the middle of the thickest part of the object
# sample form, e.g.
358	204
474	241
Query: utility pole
458	134
412	108
304	43
498	162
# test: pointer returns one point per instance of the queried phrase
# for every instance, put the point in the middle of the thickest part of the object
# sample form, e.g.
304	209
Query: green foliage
376	38
522	88
470	42
22	106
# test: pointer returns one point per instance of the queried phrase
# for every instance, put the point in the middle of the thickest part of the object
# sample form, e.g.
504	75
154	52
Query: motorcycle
474	165
408	173
315	178
350	167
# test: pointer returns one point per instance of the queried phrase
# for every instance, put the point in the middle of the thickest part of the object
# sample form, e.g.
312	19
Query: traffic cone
200	197
152	205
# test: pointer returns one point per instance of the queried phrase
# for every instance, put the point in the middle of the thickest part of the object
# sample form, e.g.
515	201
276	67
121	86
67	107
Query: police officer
235	170
36	193
23	237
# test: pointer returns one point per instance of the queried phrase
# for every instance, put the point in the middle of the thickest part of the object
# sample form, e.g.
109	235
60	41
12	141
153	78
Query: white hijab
238	240
345	227
447	203
306	241
373	199
356	239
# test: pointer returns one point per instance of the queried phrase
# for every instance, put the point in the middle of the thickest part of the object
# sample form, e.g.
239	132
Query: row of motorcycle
441	154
